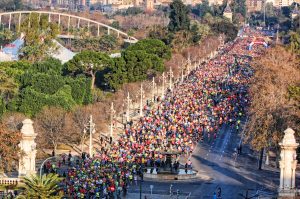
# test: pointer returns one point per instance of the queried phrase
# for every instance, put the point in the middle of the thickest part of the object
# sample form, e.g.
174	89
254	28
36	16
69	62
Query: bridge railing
69	16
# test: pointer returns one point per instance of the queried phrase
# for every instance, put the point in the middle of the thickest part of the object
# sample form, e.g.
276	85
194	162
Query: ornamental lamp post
112	116
129	101
163	85
188	65
170	79
141	99
91	127
181	71
153	89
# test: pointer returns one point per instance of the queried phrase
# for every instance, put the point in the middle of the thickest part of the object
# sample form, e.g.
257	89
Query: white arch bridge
8	19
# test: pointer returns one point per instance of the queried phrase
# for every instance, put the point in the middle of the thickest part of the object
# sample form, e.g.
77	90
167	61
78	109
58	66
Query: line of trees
275	98
183	32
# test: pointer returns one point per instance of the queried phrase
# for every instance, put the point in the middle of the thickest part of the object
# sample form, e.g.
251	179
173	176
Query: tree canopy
202	8
179	19
295	43
27	88
39	35
9	148
152	46
273	98
137	62
225	27
89	62
8	5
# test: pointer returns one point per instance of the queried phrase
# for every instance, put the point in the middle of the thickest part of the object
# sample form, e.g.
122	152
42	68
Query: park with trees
58	96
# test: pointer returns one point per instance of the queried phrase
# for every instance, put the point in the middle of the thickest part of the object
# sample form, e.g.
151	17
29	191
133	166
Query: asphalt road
216	159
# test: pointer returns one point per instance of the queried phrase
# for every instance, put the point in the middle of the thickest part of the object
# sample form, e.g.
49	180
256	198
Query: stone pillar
288	164
28	148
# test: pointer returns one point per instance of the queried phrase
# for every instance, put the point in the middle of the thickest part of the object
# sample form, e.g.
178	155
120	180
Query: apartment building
254	5
282	3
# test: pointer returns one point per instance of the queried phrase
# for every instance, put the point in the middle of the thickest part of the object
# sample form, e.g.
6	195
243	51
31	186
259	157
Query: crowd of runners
212	95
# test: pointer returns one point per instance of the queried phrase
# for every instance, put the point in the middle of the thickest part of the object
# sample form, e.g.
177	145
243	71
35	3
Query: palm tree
40	187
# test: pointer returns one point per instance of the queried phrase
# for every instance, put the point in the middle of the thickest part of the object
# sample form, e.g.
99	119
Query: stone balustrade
9	181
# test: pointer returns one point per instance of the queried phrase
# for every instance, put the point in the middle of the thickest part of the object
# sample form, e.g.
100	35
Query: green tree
47	83
40	187
49	65
196	37
296	24
204	30
6	36
39	35
8	86
179	19
294	94
152	46
115	24
32	102
105	43
162	34
89	62
219	9
2	107
10	5
225	27
108	43
295	43
202	8
239	6
80	89
117	74
63	98
133	11
137	64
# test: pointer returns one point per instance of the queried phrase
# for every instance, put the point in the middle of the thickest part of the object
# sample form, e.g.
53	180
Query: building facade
282	3
254	5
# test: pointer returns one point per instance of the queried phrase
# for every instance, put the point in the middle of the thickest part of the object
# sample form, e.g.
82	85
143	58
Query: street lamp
91	127
182	69
189	63
163	85
153	89
199	63
129	101
142	92
112	116
170	78
42	165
